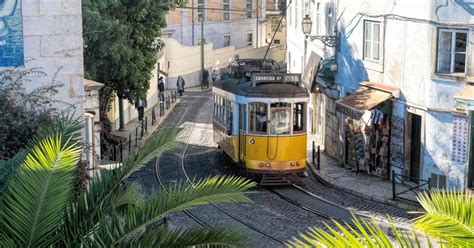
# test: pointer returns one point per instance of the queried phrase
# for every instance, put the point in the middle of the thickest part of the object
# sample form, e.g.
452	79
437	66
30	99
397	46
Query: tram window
299	117
242	117
216	106
229	116
258	117
280	118
222	111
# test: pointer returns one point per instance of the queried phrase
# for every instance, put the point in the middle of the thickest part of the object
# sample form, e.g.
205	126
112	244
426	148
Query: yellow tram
260	122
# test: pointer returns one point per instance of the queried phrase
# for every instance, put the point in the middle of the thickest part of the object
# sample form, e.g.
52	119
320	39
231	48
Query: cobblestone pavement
268	212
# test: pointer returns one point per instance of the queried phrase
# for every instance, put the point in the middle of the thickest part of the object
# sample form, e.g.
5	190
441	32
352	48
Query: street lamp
328	40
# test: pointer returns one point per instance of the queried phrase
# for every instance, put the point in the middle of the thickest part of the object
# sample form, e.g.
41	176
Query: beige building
238	23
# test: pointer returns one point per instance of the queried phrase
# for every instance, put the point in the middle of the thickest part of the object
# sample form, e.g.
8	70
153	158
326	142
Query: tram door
242	123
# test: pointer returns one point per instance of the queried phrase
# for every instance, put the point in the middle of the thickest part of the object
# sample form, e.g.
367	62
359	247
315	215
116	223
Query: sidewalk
132	131
358	184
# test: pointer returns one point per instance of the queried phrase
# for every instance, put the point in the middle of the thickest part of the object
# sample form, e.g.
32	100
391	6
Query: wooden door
415	149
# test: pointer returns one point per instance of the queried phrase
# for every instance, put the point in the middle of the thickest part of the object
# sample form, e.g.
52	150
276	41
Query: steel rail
188	179
163	186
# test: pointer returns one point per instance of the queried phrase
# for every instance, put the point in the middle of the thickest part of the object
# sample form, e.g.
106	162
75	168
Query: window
226	9
228	117
226	40
276	42
299	117
249	39
330	19
371	40
280	118
296	15
216	106
275	23
318	18
258	118
452	46
249	8
201	10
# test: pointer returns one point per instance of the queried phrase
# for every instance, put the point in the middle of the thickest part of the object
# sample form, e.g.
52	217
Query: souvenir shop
367	115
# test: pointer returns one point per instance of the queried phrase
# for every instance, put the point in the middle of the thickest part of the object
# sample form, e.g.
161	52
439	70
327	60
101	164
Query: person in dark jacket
140	105
180	85
161	90
205	78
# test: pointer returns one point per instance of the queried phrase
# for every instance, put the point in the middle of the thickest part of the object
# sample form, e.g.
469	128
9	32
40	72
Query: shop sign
348	112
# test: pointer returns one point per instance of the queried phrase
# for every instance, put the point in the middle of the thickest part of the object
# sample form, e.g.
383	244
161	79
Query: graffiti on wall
11	33
396	142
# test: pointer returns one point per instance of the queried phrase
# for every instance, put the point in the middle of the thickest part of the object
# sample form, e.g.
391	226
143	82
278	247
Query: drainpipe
256	38
192	18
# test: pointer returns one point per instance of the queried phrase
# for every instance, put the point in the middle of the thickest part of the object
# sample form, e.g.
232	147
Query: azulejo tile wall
11	33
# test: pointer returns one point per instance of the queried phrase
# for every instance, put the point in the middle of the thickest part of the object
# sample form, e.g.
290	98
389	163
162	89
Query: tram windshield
258	117
280	118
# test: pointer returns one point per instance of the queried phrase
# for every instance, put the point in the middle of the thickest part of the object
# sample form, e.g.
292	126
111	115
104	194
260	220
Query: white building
418	56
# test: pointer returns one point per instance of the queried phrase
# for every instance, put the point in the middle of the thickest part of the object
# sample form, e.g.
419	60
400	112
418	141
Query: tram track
182	156
163	186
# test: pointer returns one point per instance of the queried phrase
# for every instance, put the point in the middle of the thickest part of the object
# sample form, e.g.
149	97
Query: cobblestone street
275	219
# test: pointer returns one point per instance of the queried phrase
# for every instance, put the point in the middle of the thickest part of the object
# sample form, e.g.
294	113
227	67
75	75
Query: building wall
409	44
52	36
184	26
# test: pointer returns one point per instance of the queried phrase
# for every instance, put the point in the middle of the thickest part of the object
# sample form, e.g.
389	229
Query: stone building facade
52	37
422	49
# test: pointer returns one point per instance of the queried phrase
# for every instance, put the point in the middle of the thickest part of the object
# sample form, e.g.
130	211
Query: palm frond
104	190
8	167
448	215
362	233
37	194
134	223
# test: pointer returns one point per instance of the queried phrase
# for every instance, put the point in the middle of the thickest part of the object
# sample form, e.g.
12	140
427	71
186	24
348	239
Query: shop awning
311	69
368	96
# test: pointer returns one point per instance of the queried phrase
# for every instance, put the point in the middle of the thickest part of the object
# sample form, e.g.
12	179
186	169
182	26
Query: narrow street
277	213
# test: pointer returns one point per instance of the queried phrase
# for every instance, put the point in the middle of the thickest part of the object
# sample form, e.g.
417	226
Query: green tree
448	217
122	41
42	206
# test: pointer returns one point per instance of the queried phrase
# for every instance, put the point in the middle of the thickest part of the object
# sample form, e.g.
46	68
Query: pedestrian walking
205	76
161	90
214	76
180	85
140	105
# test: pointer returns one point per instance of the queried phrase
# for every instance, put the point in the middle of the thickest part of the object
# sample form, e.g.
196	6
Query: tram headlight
297	163
267	164
261	165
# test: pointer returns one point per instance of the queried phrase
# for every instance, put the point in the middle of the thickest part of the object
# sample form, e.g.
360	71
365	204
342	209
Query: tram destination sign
294	78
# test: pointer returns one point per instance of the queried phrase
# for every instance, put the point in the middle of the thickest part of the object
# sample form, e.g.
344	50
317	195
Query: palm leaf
8	167
448	215
104	191
36	196
362	233
125	229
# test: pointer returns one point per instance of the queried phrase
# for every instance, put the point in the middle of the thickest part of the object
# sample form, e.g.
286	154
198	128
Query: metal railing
406	185
139	132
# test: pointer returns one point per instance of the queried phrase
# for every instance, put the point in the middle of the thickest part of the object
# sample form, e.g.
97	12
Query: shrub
22	112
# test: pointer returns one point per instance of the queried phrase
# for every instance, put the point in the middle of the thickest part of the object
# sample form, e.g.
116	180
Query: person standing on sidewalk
206	78
180	85
161	90
140	105
214	76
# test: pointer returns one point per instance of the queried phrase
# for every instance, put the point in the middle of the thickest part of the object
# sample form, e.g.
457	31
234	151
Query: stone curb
390	202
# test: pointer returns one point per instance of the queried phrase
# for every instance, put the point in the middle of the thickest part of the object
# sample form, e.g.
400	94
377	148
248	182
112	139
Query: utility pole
202	49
